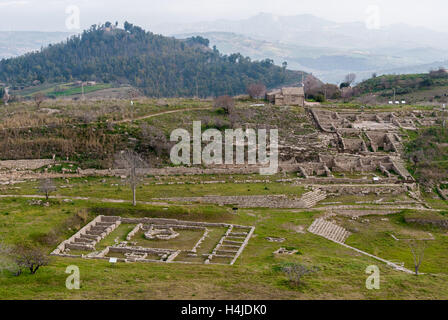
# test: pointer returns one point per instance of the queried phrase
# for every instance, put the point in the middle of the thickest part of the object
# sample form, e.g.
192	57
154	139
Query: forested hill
404	83
160	66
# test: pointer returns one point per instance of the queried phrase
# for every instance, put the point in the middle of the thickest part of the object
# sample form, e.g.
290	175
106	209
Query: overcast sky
50	15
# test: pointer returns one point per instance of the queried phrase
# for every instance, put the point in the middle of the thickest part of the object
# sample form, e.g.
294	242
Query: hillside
290	210
158	65
432	86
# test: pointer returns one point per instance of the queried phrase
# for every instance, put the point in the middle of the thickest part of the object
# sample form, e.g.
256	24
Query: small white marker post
113	260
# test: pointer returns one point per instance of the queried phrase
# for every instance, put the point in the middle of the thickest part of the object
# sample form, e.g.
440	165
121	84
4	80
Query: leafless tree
31	258
440	73
133	163
295	272
312	85
347	93
350	78
46	187
368	99
133	94
418	253
38	98
224	102
256	90
154	138
331	91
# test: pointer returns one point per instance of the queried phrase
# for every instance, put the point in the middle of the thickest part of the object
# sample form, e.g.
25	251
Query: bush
319	98
30	257
224	102
295	272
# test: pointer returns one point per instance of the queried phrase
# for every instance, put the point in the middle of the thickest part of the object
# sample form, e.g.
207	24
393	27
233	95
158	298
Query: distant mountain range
328	49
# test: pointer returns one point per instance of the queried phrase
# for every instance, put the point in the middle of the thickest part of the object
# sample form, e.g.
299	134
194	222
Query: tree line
158	65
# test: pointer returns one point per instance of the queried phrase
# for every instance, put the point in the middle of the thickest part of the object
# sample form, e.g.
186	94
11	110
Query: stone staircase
335	233
93	234
231	245
329	230
310	199
401	170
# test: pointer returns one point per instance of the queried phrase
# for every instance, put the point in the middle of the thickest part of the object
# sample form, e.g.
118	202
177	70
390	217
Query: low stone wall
365	189
61	247
134	231
431	222
268	201
169	171
72	242
31	164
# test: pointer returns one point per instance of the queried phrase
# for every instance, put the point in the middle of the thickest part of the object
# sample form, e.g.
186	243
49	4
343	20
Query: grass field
341	272
115	188
61	90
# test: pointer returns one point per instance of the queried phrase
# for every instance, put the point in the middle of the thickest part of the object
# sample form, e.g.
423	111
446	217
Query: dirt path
159	114
254	201
104	200
117	121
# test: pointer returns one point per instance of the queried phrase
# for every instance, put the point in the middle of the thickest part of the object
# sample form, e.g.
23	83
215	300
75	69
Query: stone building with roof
292	96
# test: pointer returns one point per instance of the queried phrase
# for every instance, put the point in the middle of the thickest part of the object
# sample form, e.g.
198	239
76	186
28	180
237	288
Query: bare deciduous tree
368	99
418	253
256	90
46	187
312	85
350	78
295	272
347	93
31	258
133	94
224	102
133	163
38	98
154	138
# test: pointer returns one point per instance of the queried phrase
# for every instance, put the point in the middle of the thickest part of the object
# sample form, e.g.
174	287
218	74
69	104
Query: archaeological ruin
149	240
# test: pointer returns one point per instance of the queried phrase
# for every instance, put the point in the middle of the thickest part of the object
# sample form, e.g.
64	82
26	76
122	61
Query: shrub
295	272
224	102
30	257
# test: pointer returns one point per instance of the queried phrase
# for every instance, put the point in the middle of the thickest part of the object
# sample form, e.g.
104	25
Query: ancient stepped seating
329	230
92	234
401	170
310	199
231	245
